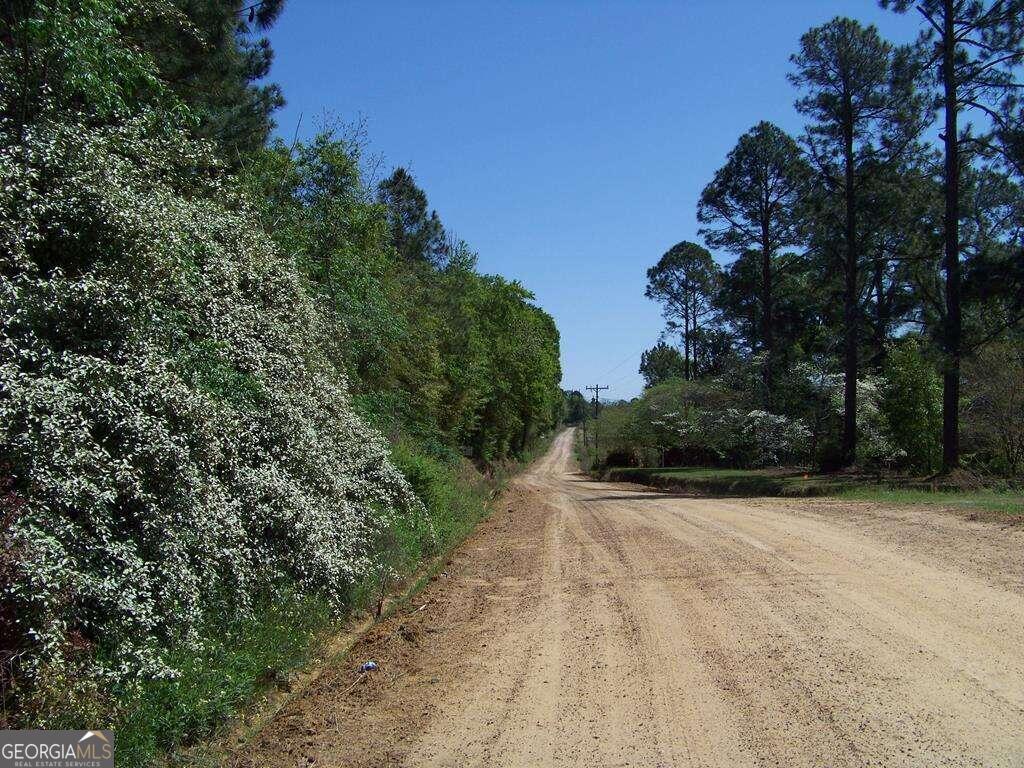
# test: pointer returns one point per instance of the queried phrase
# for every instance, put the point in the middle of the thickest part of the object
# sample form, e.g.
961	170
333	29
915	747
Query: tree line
240	377
432	348
894	221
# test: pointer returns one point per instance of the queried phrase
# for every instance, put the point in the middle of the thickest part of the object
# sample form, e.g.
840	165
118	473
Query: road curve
599	624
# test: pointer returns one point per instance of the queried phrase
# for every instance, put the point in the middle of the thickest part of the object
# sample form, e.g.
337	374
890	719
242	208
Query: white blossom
176	433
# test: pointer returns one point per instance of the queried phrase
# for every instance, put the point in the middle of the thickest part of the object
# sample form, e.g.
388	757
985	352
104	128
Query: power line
624	377
622	362
251	9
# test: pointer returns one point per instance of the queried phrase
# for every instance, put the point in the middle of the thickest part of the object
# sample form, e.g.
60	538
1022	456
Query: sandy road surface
596	624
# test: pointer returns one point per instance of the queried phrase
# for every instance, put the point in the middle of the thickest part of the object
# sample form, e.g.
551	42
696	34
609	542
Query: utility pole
596	389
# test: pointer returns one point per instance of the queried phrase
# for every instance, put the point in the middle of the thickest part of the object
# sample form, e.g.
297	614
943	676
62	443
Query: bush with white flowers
176	437
875	446
756	438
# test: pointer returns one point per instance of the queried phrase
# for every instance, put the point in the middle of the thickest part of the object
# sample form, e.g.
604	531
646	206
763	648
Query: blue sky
567	142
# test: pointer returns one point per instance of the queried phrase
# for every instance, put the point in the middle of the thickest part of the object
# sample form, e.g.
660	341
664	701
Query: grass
239	660
990	501
783	482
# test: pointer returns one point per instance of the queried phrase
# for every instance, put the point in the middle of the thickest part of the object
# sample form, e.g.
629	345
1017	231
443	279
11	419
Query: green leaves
912	405
754	199
207	367
462	358
69	54
660	363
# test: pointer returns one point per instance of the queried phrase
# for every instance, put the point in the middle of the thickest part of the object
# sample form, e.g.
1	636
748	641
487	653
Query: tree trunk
881	314
524	437
952	328
767	314
849	446
687	331
696	336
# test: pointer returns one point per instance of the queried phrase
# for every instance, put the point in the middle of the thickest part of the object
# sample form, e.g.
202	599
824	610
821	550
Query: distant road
599	624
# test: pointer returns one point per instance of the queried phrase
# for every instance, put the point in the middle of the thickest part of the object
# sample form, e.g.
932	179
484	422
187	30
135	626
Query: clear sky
566	141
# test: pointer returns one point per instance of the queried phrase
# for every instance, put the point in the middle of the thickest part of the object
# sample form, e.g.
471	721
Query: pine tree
417	234
684	282
859	98
753	203
211	56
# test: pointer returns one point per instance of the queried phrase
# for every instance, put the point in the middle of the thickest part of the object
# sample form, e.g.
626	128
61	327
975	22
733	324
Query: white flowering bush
748	438
875	444
756	438
176	437
775	439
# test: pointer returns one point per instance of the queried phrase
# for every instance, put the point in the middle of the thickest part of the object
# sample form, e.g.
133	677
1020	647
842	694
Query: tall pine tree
857	95
753	203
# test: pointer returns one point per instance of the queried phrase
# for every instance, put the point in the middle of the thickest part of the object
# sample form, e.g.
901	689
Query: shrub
875	447
681	422
175	422
994	407
756	438
912	406
453	494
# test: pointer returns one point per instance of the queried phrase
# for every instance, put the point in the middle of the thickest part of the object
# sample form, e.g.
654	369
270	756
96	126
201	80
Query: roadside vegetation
245	386
868	328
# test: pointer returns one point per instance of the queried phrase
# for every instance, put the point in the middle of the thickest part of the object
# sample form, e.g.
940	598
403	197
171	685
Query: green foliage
754	199
208	54
912	406
854	84
461	358
238	658
994	407
416	234
197	58
161	470
860	202
684	282
752	208
313	203
703	422
207	366
826	399
575	410
796	308
660	363
452	492
69	52
991	250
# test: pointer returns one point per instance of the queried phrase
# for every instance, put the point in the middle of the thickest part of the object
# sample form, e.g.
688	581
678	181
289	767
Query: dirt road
596	624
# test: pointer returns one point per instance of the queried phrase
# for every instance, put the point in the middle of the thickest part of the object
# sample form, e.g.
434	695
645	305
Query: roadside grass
238	660
730	482
796	483
990	501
